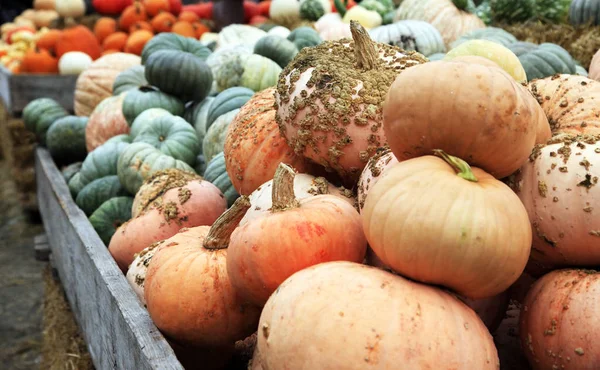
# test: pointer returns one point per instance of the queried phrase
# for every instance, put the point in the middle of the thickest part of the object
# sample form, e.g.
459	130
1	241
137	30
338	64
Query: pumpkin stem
461	167
223	227
283	196
364	47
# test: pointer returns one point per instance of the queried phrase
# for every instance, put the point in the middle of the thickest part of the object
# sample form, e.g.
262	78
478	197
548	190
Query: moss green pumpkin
304	37
146	97
35	109
75	185
180	74
216	174
129	79
382	7
101	162
123	138
144	119
276	48
99	191
196	114
66	139
522	47
311	10
173	41
214	141
140	160
410	34
228	100
497	35
547	60
200	165
259	73
582	12
110	215
71	170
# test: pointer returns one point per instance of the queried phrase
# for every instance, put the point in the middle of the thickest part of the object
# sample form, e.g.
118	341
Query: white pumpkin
327	21
73	63
279	31
411	35
136	274
70	8
367	18
285	12
337	31
237	34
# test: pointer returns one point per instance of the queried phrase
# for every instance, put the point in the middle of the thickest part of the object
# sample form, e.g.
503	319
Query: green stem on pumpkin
341	7
283	196
364	48
221	230
461	167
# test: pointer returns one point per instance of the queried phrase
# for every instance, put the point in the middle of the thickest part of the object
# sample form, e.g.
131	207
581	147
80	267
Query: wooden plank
116	327
41	247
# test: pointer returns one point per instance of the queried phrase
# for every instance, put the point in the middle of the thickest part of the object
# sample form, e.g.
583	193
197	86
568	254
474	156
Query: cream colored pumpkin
44	18
44	4
73	63
70	8
367	18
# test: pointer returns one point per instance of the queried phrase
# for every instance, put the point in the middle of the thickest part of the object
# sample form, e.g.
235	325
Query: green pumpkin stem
341	7
223	227
283	196
461	167
364	48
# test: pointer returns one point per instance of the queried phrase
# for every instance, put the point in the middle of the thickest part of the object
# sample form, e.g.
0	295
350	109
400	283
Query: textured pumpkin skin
216	174
138	100
558	318
595	67
462	245
276	48
95	83
172	41
438	321
204	205
547	60
129	79
497	35
376	167
499	149
180	74
110	215
304	37
227	66
254	146
228	100
214	141
66	139
259	73
145	118
99	191
106	121
136	273
414	35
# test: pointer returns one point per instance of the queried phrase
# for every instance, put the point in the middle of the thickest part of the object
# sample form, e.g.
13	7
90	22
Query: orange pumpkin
44	4
116	41
155	7
200	29
133	13
141	25
110	51
106	121
188	16
48	40
184	29
39	61
163	22
137	40
78	38
104	27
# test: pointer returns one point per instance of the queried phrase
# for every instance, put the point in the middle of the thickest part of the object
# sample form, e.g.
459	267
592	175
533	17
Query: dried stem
221	230
283	196
364	48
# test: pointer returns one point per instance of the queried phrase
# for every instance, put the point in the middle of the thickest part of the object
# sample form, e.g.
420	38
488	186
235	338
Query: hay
63	347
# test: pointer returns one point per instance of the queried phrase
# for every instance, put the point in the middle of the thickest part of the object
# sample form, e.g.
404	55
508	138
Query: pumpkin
110	215
558	186
75	185
38	109
95	83
595	67
111	7
70	8
129	79
137	40
173	136
171	41
48	116
180	74
375	168
197	114
216	174
188	16
414	35
458	251
505	123
276	48
74	63
226	65
48	40
583	12
66	139
450	20
69	171
235	34
104	27
78	38
254	146
311	10
491	310
221	317
228	100
106	121
136	273
123	138
284	12
183	28
304	36
133	13
344	134
383	7
279	31
368	18
214	140
200	165
308	231
94	194
175	6
156	7
163	22
497	35
39	61
44	4
557	324
99	163
521	47
44	18
116	41
138	100
189	204
145	118
141	25
547	60
580	70
412	322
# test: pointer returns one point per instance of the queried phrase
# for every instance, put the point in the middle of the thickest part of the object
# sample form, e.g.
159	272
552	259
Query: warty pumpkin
106	121
376	167
78	38
104	27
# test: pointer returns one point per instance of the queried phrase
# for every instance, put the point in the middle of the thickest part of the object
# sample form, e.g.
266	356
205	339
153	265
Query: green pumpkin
34	111
71	170
101	162
66	139
410	34
196	114
130	79
304	37
216	174
173	136
200	165
583	12
143	119
214	141
259	73
228	100
123	138
497	35
227	66
522	47
311	10
140	160
173	41
146	97
99	191
547	60
382	7
388	18
276	48
580	70
75	185
110	215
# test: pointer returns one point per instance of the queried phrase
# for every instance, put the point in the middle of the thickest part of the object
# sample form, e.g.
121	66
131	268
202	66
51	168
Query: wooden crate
116	327
17	90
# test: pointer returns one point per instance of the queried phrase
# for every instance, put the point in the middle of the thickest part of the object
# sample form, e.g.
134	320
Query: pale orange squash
106	121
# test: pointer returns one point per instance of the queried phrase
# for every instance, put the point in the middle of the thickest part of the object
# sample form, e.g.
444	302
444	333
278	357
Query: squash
129	79
583	12
123	138
497	35
66	139
163	22
131	14
48	40
46	119
214	140
376	167
116	41
458	250
180	74
44	4
73	63
595	67
106	121
304	37
136	273
507	123
344	134
95	83
110	7
137	40
312	10
276	48
104	27
141	26
382	7
69	171
368	18
173	136
226	65
491	310
235	34
580	70
228	100
39	61
110	216
285	12
45	18
308	231
146	97
99	163
216	174
547	60
38	109
200	165
94	194
70	8
145	118
412	322
154	7
172	41
78	38
414	35
521	47
196	114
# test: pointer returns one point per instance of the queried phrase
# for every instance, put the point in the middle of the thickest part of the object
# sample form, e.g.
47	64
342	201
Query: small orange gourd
48	40
133	13
39	61
199	29
184	29
137	40
104	27
155	7
78	38
163	22
141	25
110	51
188	16
116	41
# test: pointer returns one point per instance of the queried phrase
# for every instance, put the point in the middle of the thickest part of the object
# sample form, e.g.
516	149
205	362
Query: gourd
136	273
304	37
368	18
69	171
285	12
414	35
39	61
94	194
99	163
228	100
146	97
66	139
547	60
42	113
78	38
106	121
276	48
70	8
311	10
214	141
123	138
583	12
279	31
497	35
236	34
376	167
217	175
110	216
196	114
383	7
145	118
73	63
172	41
129	79
258	73
226	65
595	67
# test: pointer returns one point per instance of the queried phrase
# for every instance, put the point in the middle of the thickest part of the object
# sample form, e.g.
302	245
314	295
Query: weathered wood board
116	327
